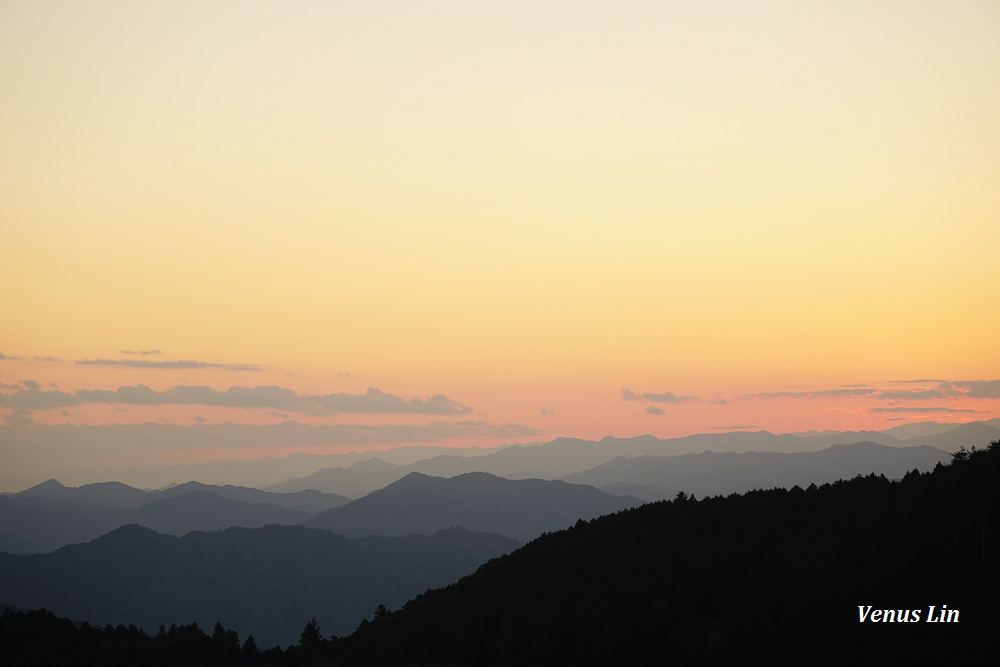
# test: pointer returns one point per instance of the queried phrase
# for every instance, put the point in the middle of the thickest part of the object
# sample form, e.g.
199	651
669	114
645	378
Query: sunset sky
472	223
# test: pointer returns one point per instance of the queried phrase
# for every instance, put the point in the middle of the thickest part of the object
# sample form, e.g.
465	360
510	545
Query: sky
473	224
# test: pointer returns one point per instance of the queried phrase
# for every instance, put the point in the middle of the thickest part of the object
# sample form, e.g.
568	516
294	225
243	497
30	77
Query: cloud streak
919	409
177	364
653	397
373	401
932	389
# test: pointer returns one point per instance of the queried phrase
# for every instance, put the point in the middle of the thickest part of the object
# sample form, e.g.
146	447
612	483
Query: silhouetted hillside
421	504
266	581
767	577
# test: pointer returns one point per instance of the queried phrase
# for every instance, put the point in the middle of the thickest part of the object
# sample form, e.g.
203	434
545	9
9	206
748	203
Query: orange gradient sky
525	207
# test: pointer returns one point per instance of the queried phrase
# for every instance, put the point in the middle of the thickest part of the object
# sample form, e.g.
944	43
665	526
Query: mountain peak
45	487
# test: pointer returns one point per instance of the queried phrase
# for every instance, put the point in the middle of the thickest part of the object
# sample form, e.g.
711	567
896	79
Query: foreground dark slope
768	576
265	581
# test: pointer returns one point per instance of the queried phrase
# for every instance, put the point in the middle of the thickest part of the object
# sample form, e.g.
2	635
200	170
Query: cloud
546	413
4	357
667	397
33	398
19	418
653	410
826	393
937	389
178	364
234	397
139	352
664	397
976	388
53	359
373	401
917	409
376	401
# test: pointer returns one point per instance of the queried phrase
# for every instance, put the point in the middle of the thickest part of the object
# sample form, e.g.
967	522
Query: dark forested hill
266	581
521	509
767	577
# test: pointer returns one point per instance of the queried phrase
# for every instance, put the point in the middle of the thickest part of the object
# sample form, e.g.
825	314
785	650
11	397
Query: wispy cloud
653	410
931	390
33	398
19	418
976	388
653	397
825	393
918	409
373	401
176	364
140	352
4	357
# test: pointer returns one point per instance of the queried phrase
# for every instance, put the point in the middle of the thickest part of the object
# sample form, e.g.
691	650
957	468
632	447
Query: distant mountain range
50	515
563	457
710	474
265	581
522	509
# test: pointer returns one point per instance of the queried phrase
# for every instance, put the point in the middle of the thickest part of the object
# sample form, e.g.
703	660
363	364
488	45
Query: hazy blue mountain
35	525
711	473
266	581
354	481
116	494
201	510
907	431
309	500
973	434
422	504
565	456
649	493
551	460
100	494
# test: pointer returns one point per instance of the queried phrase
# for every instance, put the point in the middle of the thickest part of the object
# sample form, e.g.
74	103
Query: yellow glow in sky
524	206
